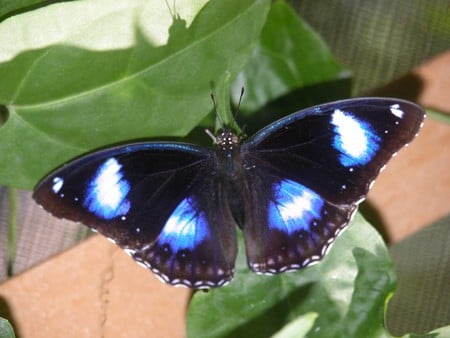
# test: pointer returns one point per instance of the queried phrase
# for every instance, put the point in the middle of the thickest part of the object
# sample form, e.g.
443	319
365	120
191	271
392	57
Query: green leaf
8	7
347	289
441	332
288	56
6	330
299	327
438	116
71	95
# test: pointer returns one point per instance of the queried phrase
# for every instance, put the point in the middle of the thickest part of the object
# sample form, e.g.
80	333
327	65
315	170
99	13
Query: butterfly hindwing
155	201
197	244
308	172
287	225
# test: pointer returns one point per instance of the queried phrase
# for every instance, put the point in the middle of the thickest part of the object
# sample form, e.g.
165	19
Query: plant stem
12	230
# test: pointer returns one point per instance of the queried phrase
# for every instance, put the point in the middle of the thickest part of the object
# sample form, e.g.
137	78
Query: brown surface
414	189
435	75
95	290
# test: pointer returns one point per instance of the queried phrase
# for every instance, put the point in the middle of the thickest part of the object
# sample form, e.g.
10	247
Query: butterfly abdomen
230	172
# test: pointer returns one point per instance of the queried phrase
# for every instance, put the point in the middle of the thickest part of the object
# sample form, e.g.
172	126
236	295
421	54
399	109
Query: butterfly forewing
336	149
155	201
308	171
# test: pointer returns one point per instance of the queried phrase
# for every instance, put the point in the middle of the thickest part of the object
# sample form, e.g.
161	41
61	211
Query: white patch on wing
395	109
295	207
57	184
106	193
354	139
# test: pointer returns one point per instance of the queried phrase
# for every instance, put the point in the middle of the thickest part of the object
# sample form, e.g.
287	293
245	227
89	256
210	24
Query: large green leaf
66	94
347	290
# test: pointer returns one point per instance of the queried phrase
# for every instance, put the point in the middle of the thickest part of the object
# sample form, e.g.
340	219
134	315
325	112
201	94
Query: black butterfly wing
307	173
161	202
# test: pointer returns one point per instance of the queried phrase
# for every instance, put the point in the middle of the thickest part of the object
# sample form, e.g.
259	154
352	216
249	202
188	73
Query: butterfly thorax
230	170
227	144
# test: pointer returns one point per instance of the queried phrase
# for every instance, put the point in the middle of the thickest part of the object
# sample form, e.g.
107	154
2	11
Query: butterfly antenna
213	98
173	13
239	105
211	135
219	118
240	100
207	131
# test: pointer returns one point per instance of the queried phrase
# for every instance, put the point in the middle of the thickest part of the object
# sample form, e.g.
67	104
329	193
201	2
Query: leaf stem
225	117
12	230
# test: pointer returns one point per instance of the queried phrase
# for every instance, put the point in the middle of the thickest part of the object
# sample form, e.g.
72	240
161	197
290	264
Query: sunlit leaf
299	327
66	97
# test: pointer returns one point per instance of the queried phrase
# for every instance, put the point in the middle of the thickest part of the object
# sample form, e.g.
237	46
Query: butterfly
291	189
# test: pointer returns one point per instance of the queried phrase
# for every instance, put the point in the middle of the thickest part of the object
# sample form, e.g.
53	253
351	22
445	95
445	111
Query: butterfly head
227	140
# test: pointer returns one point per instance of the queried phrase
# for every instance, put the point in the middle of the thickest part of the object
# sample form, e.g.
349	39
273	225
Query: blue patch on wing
356	140
105	195
186	227
293	207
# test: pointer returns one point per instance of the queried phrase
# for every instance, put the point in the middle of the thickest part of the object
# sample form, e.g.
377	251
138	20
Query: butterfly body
291	188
